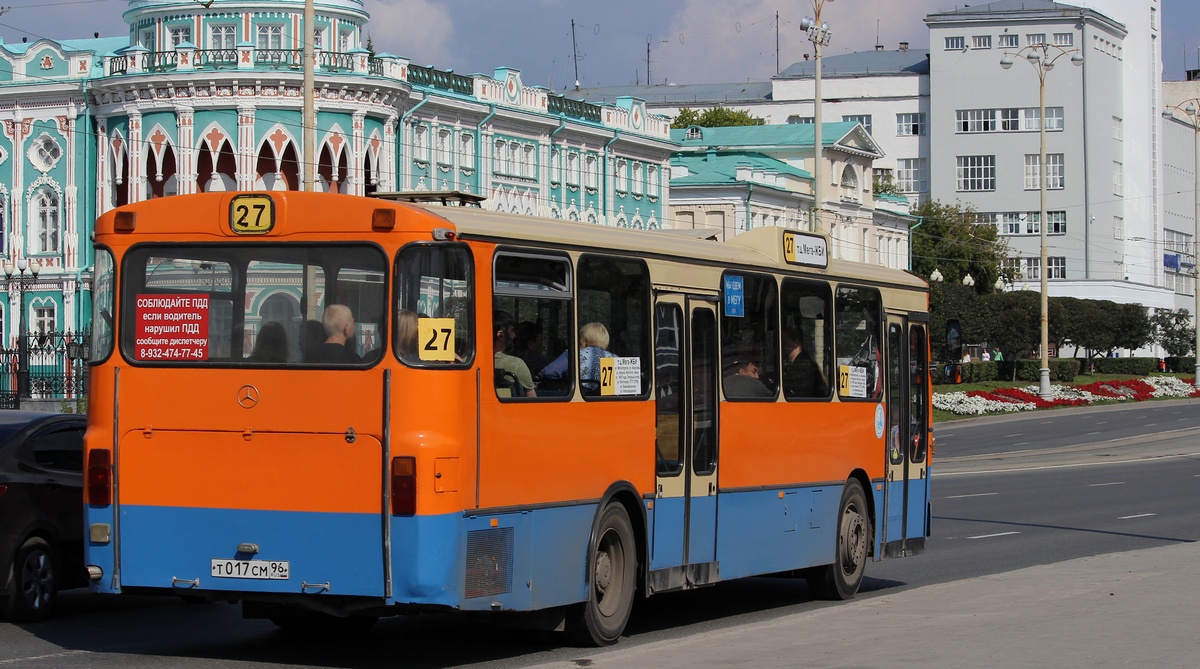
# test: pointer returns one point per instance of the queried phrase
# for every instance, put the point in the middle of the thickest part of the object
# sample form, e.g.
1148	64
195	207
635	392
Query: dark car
41	511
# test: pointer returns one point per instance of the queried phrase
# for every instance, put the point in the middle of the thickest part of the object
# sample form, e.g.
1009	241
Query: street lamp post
1042	57
17	273
819	34
1192	109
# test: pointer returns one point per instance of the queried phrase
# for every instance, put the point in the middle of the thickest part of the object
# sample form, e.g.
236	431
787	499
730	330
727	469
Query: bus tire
841	580
612	579
34	583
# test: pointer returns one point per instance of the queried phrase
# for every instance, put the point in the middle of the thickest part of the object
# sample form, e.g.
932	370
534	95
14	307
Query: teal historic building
200	98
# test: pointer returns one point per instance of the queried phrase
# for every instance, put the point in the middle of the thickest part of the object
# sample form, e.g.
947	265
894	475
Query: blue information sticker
734	304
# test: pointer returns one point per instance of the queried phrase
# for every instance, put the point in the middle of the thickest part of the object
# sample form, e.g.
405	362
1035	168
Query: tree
1173	331
885	186
950	239
1013	322
714	117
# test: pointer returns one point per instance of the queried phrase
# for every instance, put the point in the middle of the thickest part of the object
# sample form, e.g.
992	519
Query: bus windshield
254	304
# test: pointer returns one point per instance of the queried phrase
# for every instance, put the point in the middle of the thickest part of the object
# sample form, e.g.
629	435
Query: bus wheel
34	584
612	576
842	579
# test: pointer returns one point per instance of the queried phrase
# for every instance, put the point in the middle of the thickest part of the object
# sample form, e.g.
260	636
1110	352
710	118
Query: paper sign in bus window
435	339
171	327
735	305
852	381
620	376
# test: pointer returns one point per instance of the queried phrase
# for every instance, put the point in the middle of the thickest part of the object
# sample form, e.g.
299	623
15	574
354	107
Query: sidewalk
1134	609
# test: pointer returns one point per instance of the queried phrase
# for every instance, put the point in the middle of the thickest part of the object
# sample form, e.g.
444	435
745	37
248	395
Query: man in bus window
742	381
802	377
509	367
339	326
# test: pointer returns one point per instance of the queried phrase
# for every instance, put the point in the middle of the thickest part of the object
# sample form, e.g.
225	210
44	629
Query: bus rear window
254	304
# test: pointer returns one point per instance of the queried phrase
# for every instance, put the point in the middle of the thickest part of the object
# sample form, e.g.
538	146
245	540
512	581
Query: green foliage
948	238
1184	364
885	186
1011	322
1139	366
714	117
1173	331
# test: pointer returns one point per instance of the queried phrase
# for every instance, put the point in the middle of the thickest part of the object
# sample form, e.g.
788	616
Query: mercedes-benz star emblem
247	397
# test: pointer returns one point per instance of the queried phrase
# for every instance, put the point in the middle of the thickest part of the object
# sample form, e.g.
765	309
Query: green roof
791	134
721	169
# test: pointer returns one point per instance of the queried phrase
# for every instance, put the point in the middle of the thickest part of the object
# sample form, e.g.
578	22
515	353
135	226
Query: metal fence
44	366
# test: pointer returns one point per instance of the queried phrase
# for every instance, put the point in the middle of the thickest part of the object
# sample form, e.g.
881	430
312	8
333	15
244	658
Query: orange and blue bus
333	408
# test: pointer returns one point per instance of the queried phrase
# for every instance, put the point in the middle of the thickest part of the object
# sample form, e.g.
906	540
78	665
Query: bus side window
749	337
433	319
805	338
614	327
858	346
531	324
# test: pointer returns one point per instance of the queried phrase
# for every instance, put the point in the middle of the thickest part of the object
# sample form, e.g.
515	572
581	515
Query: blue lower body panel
768	531
515	561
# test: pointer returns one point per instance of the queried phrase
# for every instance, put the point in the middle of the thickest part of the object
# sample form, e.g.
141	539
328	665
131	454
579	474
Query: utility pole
575	54
310	105
776	41
648	79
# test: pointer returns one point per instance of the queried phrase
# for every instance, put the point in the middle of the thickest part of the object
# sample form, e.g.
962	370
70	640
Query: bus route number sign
800	248
251	214
435	339
620	376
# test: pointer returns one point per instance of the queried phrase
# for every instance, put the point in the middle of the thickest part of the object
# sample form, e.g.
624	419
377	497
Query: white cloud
422	30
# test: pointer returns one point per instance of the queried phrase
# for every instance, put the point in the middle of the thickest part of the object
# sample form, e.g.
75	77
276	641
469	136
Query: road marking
978	494
1071	466
989	536
52	656
1140	515
1150	424
1102	422
1091	433
1020	443
1010	436
1097	485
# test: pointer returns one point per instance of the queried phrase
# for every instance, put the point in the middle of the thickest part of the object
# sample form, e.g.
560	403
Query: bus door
683	549
906	487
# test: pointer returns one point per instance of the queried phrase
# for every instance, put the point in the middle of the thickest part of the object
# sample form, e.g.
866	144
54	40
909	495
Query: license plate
271	570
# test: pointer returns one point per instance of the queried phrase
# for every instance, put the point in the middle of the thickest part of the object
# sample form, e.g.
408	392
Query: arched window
44	213
850	183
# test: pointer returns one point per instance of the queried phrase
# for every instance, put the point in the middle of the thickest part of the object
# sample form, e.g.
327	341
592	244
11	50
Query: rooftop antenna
575	54
777	41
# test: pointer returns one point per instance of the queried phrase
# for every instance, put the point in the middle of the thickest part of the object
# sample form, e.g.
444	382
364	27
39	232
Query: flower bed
1008	400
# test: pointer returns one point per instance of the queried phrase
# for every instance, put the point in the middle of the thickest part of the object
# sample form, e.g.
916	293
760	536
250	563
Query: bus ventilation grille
489	562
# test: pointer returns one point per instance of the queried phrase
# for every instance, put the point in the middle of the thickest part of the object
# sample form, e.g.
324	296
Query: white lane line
1102	422
1023	450
1150	424
1010	436
989	536
1070	466
1020	443
1097	485
1091	433
978	494
33	658
1140	515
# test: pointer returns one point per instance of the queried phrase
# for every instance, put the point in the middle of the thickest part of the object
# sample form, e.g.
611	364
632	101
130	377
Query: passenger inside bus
802	377
512	374
528	346
406	335
339	328
593	347
741	381
271	344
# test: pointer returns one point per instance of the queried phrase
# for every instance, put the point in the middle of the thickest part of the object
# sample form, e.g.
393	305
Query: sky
690	41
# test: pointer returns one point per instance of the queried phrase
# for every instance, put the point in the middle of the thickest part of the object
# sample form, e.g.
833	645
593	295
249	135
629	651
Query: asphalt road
1003	500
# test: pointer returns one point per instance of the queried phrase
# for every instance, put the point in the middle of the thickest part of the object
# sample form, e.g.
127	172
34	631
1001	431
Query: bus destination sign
800	248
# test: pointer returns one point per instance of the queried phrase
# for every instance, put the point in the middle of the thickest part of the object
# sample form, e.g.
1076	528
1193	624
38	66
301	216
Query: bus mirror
954	339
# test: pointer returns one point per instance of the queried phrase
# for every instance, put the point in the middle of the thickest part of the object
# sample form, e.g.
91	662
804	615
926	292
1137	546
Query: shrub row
1061	369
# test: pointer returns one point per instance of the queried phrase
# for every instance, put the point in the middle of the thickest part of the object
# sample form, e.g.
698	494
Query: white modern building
1103	133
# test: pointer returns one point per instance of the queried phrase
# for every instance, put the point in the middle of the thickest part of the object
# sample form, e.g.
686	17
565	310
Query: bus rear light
444	235
3	488
99	477
404	486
